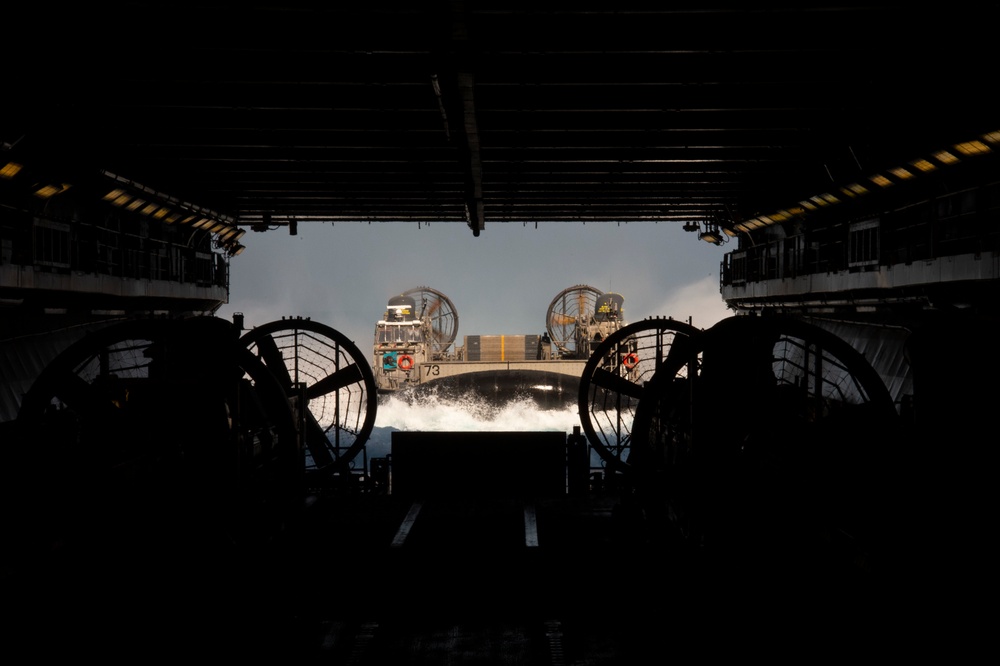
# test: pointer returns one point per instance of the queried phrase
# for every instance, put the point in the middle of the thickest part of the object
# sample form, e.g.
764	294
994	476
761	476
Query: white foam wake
433	412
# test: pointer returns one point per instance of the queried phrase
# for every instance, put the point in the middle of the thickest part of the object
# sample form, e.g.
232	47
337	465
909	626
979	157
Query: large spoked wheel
613	379
783	441
438	308
165	430
570	308
319	363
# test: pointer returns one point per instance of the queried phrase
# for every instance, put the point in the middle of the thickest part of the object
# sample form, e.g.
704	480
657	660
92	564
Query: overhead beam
465	129
473	163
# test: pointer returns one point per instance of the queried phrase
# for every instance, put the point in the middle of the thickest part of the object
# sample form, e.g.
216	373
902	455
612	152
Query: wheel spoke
342	378
609	381
317	442
269	353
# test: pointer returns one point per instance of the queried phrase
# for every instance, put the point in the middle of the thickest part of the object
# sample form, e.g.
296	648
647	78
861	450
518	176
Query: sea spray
467	413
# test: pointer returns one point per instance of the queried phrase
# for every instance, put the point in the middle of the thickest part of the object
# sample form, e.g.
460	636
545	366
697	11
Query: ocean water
432	412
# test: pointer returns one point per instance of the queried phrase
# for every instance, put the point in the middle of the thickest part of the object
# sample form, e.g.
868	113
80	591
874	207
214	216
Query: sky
500	282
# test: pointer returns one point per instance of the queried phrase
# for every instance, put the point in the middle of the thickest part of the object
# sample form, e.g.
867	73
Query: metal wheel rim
339	386
610	391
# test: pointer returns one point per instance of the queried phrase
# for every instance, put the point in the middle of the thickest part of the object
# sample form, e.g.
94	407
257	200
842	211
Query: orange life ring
630	360
405	362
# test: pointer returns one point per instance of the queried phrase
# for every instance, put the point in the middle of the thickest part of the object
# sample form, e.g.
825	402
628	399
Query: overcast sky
500	282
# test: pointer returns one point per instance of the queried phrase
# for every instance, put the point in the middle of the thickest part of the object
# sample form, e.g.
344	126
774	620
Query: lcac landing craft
414	351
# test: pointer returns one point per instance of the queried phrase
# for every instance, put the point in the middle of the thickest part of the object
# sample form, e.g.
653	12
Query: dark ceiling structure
491	112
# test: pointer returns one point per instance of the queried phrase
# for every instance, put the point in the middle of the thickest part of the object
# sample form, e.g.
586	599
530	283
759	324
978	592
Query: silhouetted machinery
181	434
329	375
757	436
760	439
